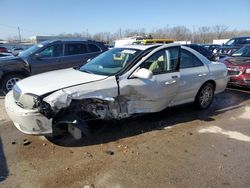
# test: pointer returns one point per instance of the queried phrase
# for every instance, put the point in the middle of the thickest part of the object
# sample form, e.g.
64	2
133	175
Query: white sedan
117	84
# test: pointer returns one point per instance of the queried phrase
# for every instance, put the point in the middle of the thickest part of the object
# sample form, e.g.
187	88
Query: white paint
246	114
230	134
54	80
230	108
168	127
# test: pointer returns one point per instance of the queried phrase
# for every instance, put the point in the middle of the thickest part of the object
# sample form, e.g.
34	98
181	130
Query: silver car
117	84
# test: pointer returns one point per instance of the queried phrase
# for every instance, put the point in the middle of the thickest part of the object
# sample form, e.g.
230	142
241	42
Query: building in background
3	41
220	41
183	42
37	39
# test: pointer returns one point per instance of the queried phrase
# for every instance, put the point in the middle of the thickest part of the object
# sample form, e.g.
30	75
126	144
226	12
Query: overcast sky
45	17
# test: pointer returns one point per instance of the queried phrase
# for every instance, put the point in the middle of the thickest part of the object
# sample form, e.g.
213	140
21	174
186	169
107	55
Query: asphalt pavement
179	147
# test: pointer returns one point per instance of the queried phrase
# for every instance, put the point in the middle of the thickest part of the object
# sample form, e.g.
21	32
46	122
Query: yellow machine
154	41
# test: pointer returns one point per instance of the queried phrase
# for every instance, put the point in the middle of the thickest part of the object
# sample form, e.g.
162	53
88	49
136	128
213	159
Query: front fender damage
61	99
97	99
77	105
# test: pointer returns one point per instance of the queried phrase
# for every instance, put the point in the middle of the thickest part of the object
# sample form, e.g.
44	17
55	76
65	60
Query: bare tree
180	33
219	31
203	34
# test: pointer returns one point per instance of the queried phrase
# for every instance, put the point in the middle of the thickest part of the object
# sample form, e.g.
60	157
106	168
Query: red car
3	49
238	66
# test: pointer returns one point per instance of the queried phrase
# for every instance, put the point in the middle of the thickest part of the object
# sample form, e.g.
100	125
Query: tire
9	81
205	96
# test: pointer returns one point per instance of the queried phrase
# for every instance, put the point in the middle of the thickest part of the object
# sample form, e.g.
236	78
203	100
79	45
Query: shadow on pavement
4	172
104	132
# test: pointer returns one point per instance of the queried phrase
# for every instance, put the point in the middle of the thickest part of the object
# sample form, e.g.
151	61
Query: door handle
170	82
175	76
202	74
58	60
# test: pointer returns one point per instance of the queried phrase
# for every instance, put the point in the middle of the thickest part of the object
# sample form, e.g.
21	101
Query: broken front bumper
25	120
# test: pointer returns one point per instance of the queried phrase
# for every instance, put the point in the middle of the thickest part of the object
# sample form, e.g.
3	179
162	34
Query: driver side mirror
37	56
143	74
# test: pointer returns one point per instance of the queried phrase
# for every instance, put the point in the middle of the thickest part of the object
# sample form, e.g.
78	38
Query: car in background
238	65
3	49
4	54
211	47
231	46
201	49
47	56
117	84
16	50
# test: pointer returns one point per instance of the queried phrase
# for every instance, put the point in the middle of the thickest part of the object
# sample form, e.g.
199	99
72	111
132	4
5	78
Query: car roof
242	37
248	46
68	40
146	46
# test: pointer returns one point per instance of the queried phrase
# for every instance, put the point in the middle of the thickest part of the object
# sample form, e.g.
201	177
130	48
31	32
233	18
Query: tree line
204	34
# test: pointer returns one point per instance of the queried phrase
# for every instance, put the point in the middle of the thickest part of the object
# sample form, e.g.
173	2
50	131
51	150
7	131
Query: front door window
52	51
163	61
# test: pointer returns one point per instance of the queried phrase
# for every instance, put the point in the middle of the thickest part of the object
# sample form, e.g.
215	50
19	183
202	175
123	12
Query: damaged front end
27	120
73	107
82	110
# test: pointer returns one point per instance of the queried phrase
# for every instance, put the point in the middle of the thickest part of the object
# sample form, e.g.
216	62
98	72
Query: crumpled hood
51	81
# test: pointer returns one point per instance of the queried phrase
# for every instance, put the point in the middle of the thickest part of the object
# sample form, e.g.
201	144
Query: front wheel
9	81
205	96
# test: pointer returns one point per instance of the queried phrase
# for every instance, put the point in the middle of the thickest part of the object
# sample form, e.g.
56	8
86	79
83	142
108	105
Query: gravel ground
179	147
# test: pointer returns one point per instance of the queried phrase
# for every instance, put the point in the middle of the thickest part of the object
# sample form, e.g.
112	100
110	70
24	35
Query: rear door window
188	60
76	49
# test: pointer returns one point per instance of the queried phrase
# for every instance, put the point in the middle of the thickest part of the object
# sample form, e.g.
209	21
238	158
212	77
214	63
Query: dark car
202	50
231	46
16	50
47	56
3	49
238	66
211	47
4	54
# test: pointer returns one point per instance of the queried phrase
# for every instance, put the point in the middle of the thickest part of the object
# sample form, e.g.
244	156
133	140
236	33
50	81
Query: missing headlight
46	110
29	101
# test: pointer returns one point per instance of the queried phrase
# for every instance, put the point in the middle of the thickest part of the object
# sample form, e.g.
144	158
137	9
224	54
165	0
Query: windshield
230	42
30	50
242	52
110	62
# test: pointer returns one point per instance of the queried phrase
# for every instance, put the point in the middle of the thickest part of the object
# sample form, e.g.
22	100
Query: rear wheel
9	81
205	96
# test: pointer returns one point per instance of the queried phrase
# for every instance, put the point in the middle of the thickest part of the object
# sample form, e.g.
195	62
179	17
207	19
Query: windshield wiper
87	71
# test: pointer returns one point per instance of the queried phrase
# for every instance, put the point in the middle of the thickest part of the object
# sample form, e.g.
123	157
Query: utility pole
120	32
193	35
19	34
